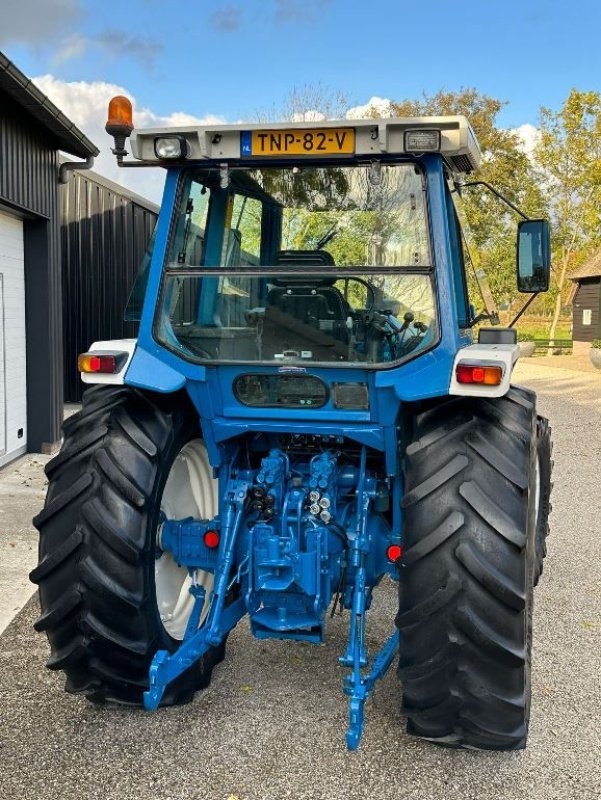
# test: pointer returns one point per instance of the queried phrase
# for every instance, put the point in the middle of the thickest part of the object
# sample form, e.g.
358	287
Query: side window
457	255
242	240
473	275
135	302
188	244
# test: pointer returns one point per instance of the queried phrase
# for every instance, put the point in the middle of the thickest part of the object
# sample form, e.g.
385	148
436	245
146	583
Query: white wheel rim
190	491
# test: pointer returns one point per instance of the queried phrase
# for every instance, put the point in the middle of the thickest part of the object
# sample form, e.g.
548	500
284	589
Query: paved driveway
272	723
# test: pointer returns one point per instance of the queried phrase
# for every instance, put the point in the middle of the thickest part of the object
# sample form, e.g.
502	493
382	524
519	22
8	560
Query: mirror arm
496	193
482	317
524	307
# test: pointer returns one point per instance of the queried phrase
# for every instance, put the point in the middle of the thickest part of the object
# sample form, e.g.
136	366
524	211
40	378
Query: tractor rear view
303	416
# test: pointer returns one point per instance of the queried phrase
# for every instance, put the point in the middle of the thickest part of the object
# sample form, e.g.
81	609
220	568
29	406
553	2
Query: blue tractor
303	416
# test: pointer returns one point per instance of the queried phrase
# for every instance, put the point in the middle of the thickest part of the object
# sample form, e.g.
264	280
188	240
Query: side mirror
533	255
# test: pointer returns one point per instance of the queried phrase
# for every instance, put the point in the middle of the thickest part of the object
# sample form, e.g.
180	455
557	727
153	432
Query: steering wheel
371	295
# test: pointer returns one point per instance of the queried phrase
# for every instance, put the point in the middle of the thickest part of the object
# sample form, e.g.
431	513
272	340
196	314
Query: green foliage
524	336
488	225
596	344
569	154
355	217
560	179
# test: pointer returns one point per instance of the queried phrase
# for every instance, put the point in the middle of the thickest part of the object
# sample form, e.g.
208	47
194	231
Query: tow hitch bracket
357	686
166	667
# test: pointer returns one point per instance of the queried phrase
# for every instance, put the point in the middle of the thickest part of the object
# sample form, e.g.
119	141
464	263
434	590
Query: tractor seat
307	297
304	303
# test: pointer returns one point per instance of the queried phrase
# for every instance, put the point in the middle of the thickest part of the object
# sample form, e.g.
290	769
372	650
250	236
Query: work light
170	147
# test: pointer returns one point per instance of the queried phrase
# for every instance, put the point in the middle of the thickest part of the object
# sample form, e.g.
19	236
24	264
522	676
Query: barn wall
105	232
588	296
29	187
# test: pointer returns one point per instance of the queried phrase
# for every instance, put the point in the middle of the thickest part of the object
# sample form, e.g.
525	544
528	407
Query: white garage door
13	393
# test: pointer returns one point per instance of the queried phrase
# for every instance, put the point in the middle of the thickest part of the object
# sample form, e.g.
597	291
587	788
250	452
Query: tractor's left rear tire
104	608
466	580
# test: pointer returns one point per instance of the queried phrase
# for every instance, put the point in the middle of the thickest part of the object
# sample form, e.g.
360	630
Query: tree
489	225
569	155
505	165
308	103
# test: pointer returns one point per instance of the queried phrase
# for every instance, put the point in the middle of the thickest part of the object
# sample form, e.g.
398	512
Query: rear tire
467	572
544	448
97	547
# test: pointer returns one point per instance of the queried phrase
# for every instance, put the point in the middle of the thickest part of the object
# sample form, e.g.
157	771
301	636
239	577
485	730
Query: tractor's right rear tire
97	574
544	448
466	581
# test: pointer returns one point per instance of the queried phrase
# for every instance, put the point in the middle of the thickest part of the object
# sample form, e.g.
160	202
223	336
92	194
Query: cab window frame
272	215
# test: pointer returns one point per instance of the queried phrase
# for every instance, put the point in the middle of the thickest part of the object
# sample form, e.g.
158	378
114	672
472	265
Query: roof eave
24	92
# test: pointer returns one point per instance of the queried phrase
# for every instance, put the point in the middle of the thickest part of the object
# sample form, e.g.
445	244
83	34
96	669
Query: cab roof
450	136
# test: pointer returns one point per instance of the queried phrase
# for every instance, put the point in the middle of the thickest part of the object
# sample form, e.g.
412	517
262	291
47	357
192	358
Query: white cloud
226	19
529	136
310	115
376	107
86	105
112	43
73	47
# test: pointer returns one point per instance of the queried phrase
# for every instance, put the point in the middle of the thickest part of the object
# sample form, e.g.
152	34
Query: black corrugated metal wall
104	235
29	184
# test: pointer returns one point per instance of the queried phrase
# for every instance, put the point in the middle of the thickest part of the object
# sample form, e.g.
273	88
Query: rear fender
118	346
141	369
503	355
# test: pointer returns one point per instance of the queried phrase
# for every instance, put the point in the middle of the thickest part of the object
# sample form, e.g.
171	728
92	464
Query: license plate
314	142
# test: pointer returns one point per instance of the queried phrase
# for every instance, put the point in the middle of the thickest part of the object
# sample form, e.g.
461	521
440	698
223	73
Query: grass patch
542	331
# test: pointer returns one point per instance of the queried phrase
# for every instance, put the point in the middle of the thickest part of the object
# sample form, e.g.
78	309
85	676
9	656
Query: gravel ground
272	724
22	492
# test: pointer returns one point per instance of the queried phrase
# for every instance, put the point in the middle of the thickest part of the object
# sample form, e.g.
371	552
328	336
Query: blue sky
234	58
231	58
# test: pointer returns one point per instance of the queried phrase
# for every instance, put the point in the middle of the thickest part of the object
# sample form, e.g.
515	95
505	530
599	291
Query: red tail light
479	373
93	362
107	361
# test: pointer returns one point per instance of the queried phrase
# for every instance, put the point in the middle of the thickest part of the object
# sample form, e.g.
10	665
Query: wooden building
586	302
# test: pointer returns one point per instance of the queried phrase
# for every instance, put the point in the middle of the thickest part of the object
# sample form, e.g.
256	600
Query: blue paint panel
146	371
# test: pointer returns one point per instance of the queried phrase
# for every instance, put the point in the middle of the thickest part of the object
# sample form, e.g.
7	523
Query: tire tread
465	584
96	559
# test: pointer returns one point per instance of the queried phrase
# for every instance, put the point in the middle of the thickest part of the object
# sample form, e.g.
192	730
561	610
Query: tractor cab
299	265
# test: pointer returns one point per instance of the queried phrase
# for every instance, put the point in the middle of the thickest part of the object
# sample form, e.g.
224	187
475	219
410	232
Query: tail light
479	373
101	362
